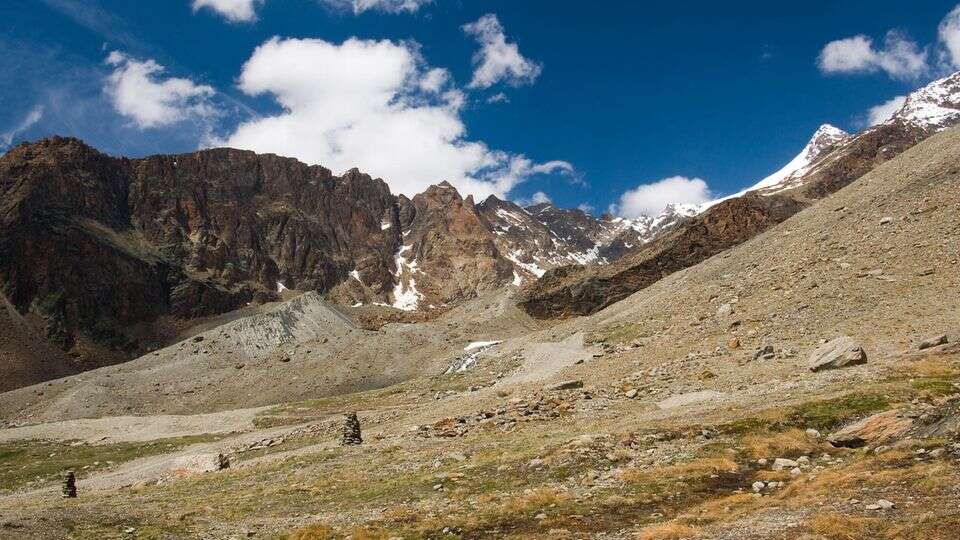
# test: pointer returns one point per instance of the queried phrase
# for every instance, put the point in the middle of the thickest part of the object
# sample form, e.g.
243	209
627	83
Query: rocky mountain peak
935	107
825	138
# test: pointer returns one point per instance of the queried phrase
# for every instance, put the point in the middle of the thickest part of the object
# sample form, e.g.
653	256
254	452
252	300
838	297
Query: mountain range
103	259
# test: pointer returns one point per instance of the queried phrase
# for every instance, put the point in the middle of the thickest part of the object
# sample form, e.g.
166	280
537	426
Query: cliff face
448	252
103	254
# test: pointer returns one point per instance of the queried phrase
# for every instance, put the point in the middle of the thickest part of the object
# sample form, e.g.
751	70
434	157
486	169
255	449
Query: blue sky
579	102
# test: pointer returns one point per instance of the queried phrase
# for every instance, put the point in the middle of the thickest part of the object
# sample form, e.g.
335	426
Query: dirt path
117	429
544	360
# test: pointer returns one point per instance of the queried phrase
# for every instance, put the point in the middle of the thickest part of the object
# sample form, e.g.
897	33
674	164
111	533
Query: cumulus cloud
949	36
138	91
651	199
386	6
883	112
899	58
585	208
497	60
375	105
231	10
34	116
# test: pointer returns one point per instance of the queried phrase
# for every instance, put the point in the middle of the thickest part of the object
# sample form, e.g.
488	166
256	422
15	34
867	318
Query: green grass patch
830	413
38	463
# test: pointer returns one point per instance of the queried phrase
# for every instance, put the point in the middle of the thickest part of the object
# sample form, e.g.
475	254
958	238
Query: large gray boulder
838	353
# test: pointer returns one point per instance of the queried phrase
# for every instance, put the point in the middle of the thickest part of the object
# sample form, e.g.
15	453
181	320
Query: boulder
874	429
838	353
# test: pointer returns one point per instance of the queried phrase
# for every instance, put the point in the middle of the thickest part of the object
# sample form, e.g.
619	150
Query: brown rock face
582	290
448	252
97	251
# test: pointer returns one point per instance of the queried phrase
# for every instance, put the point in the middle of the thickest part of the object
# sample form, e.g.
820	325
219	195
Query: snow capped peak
935	106
825	138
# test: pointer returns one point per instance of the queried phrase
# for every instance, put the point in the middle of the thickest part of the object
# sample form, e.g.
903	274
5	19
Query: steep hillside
581	290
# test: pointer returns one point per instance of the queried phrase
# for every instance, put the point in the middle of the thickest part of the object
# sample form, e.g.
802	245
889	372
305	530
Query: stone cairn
351	430
69	484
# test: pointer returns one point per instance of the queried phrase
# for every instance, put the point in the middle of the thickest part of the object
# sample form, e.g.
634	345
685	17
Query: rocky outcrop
105	254
582	290
448	252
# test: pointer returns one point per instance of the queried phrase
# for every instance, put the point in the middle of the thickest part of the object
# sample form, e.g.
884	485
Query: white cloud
498	60
651	199
435	80
232	10
541	197
899	58
883	112
387	6
498	98
373	105
585	208
34	116
137	91
949	35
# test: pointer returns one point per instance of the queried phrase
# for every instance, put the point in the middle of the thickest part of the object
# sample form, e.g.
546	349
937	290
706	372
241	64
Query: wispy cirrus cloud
34	116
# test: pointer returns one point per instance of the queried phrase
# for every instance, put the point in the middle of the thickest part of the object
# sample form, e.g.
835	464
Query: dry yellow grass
930	368
681	471
317	531
667	531
845	527
790	443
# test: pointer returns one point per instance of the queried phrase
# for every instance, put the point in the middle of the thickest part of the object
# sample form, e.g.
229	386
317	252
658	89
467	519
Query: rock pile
69	485
537	407
351	430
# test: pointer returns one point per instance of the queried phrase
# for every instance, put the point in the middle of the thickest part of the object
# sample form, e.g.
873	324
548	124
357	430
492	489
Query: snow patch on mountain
936	106
405	294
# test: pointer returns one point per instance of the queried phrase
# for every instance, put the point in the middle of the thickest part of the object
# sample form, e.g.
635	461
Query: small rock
766	353
932	342
783	463
734	343
812	433
757	486
886	220
885	504
795	471
632	393
724	311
